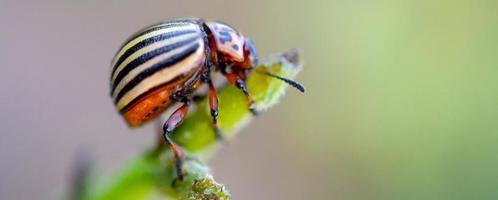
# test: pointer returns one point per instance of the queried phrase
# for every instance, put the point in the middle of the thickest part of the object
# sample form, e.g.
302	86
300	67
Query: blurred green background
401	102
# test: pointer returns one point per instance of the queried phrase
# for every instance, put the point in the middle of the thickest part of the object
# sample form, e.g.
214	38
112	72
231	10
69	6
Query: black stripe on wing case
153	28
139	97
155	68
146	57
148	42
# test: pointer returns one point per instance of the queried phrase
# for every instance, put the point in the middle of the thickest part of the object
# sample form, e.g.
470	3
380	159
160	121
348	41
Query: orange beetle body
166	62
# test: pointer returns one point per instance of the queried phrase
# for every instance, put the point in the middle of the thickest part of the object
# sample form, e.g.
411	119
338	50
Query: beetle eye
250	51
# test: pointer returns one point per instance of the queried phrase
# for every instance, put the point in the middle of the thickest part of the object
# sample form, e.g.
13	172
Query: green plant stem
154	170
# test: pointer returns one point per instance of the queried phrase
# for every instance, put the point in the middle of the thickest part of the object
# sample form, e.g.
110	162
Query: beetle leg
158	126
213	106
235	80
173	122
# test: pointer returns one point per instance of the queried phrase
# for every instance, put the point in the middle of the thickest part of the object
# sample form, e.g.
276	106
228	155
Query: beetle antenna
288	81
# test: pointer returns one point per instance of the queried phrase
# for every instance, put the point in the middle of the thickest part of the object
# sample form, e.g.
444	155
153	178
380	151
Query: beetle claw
254	112
219	135
179	178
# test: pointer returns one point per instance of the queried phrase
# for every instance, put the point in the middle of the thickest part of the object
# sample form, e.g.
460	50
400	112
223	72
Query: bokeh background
402	99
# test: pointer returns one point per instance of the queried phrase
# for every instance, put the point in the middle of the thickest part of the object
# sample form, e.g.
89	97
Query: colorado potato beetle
166	62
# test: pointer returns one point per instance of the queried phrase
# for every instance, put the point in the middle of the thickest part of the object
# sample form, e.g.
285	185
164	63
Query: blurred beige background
401	102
